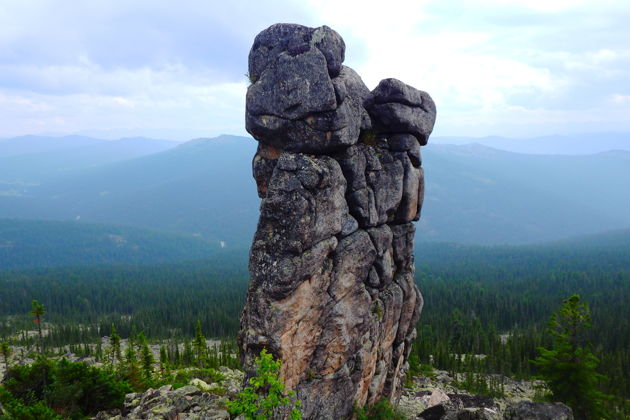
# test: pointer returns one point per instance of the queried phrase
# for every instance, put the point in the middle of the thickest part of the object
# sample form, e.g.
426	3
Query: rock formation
339	172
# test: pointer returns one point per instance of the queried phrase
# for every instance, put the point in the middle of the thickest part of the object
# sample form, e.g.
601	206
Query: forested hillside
39	243
479	300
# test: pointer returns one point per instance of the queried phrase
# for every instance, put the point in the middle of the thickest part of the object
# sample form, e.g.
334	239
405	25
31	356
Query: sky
176	70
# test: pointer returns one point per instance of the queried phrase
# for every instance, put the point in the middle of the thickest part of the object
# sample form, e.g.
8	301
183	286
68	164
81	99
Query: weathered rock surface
338	171
437	397
398	108
528	410
186	403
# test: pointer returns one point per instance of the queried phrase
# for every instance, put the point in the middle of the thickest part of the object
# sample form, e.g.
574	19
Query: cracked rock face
338	171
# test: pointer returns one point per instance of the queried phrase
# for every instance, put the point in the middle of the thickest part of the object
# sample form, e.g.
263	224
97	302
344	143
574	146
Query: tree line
490	301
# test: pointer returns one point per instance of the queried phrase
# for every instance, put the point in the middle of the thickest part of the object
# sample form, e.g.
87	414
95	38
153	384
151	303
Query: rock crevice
338	169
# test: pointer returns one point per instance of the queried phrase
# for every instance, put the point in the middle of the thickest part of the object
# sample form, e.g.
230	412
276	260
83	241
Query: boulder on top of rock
292	87
293	40
302	99
399	108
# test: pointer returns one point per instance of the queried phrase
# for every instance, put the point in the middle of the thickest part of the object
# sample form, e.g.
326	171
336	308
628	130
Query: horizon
569	145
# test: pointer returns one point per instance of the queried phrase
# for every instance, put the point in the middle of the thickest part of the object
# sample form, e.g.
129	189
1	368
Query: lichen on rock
338	170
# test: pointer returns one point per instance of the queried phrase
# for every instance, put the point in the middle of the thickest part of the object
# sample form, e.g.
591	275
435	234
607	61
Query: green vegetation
252	79
478	384
493	302
59	389
368	137
382	410
569	367
265	395
5	350
164	301
62	389
30	243
38	312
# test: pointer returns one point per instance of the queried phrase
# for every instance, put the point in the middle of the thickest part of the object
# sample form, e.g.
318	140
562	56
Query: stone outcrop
339	172
528	410
186	403
437	397
196	401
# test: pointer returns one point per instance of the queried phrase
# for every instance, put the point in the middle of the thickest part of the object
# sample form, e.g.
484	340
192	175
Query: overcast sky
176	69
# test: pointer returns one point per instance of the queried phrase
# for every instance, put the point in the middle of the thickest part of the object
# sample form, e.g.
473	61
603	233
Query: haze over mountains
35	158
203	188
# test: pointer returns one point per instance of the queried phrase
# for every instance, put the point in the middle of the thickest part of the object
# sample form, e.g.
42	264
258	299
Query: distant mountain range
577	144
35	159
474	194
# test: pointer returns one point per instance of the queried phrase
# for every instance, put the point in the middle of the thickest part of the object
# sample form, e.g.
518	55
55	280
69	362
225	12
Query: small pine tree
132	371
569	367
38	311
114	347
6	351
199	345
146	357
188	356
163	360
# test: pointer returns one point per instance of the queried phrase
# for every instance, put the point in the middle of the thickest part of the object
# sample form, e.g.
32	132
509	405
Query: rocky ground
196	401
437	397
426	399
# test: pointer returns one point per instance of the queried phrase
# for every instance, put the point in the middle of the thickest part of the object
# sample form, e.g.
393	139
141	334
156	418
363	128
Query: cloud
154	66
492	64
133	67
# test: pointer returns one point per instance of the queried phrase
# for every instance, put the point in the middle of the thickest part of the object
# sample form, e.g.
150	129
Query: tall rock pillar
339	172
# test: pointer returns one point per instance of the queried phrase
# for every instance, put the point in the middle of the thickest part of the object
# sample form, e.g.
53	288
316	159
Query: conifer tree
114	347
6	351
163	360
146	357
188	356
38	311
132	372
569	367
199	344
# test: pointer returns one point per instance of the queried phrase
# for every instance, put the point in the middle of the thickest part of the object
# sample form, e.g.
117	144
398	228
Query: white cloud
620	99
150	66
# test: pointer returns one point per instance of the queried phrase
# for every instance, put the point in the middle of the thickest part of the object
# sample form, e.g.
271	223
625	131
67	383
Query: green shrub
72	390
266	394
15	409
382	410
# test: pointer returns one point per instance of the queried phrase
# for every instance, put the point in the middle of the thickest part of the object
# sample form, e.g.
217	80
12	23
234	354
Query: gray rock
184	403
412	191
415	157
301	98
349	225
528	410
292	87
473	414
262	166
317	133
332	46
393	90
294	40
398	108
338	171
403	142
